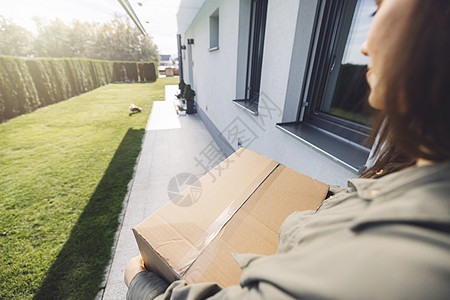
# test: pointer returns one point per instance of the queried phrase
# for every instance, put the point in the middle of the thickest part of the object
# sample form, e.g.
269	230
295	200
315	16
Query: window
257	28
214	31
334	116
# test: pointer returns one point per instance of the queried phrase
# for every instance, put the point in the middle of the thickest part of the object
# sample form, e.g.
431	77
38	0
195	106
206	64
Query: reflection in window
214	30
258	16
349	99
257	28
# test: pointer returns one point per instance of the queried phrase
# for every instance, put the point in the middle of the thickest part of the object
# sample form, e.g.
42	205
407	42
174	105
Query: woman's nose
364	49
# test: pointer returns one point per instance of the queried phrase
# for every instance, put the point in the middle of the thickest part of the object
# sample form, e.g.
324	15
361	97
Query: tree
53	39
14	40
121	40
117	40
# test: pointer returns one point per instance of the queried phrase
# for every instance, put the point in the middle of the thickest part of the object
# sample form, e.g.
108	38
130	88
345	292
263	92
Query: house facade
284	78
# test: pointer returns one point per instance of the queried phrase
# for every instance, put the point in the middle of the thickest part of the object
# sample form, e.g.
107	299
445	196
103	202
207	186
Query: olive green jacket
386	238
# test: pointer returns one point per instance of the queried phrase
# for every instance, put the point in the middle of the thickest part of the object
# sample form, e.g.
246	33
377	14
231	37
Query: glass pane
349	100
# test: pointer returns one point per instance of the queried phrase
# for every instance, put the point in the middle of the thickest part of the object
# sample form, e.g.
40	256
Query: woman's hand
134	266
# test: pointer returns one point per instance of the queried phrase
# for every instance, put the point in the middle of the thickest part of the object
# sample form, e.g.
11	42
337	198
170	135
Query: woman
387	235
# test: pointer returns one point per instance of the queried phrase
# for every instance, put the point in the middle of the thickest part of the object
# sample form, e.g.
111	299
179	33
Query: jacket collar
418	195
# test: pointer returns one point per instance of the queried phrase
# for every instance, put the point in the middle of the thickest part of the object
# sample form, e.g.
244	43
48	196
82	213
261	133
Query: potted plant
181	110
181	86
189	95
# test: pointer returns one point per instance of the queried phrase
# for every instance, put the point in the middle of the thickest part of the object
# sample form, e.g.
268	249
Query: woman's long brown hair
416	120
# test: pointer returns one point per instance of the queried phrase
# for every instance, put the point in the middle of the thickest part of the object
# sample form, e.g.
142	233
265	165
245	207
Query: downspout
180	57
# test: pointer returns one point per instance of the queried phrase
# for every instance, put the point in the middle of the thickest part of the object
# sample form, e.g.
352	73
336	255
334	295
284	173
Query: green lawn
64	174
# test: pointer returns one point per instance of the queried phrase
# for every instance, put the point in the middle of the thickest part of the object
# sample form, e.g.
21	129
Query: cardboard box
239	207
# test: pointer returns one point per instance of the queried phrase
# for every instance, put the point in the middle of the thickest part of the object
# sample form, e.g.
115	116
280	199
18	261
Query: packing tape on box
196	270
213	230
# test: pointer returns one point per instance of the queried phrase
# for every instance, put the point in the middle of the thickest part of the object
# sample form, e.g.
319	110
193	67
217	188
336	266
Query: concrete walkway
172	145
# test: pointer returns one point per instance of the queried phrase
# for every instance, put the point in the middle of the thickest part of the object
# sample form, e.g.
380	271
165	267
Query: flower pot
191	107
181	112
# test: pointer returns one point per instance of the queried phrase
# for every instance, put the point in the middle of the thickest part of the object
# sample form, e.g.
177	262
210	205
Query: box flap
254	228
179	233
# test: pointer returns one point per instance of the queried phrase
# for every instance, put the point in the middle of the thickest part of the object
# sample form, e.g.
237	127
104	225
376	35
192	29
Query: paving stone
170	146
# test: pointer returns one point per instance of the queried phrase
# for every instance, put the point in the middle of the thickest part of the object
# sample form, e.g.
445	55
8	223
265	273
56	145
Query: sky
157	16
21	13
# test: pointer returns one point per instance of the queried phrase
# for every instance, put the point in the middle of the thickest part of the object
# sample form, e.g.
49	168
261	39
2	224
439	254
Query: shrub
136	72
42	81
148	72
54	91
181	86
88	80
189	93
28	84
108	67
132	71
2	101
71	71
141	72
7	91
17	88
31	97
100	71
59	79
119	72
82	75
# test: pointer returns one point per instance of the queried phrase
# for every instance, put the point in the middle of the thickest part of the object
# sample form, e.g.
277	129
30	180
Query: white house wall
217	82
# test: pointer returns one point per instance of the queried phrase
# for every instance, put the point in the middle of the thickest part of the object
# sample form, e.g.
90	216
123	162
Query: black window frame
340	139
255	52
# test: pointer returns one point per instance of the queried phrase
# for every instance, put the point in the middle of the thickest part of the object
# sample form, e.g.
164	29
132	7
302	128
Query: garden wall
27	84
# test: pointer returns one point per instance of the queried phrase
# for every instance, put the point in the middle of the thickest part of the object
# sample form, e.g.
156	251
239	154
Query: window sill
247	105
213	49
349	154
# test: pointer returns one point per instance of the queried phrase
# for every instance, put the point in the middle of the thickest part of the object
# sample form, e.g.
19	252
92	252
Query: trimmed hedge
27	84
134	72
42	82
147	72
19	93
